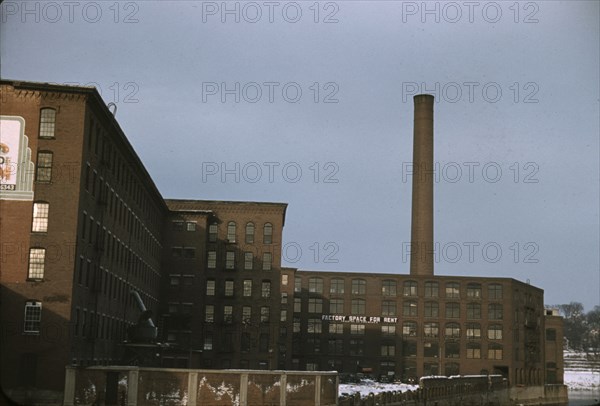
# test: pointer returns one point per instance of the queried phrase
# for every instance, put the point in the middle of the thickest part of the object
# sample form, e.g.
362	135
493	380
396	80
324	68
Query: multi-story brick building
83	225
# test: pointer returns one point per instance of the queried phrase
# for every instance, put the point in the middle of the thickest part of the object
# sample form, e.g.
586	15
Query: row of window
121	212
389	288
119	167
230	260
228	314
409	329
357	347
249	232
105	282
409	308
99	325
116	252
247	343
247	288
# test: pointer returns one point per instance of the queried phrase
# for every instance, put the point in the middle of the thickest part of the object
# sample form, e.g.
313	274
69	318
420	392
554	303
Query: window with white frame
43	171
230	260
248	261
250	233
33	317
39	223
37	257
268	233
231	231
267	261
47	122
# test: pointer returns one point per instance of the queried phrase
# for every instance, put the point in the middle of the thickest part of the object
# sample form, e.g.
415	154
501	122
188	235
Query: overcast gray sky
310	103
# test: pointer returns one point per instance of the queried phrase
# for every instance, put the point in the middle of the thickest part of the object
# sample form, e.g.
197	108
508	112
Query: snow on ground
367	386
582	380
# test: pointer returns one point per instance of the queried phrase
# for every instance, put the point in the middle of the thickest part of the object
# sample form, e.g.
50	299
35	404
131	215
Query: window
230	260
297	305
388	308
409	329
337	286
212	259
336	328
231	231
474	291
336	306
43	171
37	257
473	350
265	290
359	286
47	123
209	314
494	351
432	289
388	288
431	349
452	310
473	331
189	252
177	252
388	330
431	309
39	223
248	261
473	311
495	311
431	330
357	347
315	285
297	284
452	330
452	368
210	287
264	314
208	342
358	306
335	346
247	287
250	233
267	261
173	280
283	316
212	232
388	350
284	280
296	325
452	290
228	314
452	349
228	288
495	332
314	326
177	225
410	288
409	349
284	297
409	308
190	226
268	233
494	291
246	314
315	305
357	329
33	317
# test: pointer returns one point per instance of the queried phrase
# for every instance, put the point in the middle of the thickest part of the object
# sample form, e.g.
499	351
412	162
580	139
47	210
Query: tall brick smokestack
421	258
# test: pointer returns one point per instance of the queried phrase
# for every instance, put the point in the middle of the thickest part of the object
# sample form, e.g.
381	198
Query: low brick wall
131	386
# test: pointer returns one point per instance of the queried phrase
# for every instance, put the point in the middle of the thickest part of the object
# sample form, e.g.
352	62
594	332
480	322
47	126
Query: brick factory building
83	225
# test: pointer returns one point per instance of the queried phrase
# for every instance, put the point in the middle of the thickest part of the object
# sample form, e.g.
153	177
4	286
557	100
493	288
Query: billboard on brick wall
16	167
